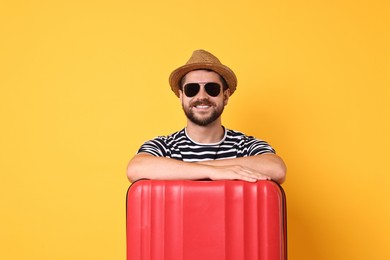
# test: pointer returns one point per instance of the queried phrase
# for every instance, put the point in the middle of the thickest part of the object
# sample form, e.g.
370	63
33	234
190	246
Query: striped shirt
179	146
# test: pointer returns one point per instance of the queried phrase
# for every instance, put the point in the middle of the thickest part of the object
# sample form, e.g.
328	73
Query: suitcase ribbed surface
202	220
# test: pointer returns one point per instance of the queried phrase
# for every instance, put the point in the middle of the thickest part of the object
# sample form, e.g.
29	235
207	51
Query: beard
202	121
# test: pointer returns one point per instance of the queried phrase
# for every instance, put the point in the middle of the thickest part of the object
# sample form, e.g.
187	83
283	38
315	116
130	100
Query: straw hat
202	59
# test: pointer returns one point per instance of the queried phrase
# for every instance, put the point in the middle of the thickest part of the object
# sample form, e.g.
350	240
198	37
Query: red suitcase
206	220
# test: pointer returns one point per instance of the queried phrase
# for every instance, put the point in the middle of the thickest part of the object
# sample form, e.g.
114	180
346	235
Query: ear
226	95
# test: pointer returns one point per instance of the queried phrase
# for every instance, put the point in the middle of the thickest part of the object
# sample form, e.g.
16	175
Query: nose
202	92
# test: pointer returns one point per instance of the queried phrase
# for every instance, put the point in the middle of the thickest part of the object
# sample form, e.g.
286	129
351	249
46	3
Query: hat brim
224	71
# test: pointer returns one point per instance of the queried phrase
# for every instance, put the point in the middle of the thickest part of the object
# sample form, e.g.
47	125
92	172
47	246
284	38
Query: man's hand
251	168
236	172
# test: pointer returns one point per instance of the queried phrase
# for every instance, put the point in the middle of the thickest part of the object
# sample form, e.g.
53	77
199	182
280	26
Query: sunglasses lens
213	89
191	89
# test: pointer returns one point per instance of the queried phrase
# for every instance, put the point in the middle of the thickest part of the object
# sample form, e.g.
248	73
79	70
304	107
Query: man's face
203	109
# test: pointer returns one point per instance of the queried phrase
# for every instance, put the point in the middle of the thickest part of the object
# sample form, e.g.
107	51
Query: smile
202	106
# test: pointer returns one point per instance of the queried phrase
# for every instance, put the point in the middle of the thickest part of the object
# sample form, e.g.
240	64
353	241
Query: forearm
161	168
268	164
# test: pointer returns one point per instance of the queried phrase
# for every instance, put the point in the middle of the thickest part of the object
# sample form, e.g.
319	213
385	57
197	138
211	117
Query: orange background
84	83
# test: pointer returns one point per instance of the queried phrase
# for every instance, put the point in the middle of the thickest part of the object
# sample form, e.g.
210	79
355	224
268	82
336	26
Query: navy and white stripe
179	146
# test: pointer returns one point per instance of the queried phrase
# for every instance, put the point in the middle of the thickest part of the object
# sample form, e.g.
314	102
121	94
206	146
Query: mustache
202	102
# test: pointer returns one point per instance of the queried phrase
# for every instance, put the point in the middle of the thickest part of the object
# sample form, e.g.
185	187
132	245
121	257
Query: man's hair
224	84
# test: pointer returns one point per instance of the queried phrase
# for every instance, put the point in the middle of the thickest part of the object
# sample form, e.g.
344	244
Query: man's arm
151	167
267	164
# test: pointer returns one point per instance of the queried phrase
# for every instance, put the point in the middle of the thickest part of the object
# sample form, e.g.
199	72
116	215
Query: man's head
202	60
203	96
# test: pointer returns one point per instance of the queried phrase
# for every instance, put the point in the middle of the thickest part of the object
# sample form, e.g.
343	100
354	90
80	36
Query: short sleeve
154	147
256	147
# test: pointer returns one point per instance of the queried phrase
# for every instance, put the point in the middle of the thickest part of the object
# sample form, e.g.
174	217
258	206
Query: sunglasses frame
209	87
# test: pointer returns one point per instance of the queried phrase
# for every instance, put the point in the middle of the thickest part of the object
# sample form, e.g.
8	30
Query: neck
211	133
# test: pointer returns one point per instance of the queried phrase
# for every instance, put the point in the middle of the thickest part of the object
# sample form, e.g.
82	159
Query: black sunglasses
212	89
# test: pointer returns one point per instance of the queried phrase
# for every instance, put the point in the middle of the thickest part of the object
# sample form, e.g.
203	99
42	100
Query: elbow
137	167
130	174
280	172
132	171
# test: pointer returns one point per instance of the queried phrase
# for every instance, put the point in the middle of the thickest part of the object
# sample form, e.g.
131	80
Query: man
204	149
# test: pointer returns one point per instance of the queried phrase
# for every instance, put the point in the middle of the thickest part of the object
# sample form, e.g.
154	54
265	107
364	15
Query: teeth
202	106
